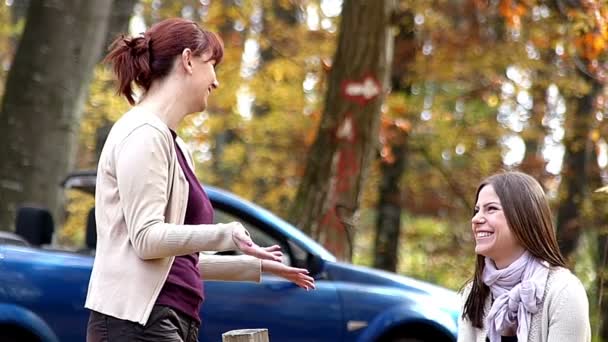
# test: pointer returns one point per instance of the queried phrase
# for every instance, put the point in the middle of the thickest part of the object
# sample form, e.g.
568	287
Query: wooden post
246	335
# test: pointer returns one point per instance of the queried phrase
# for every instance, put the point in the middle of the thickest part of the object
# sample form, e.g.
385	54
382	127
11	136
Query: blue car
42	290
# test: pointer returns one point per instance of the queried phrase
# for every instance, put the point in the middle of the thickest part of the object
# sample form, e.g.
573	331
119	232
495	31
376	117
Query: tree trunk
19	10
390	199
328	196
120	15
45	91
233	39
602	283
533	162
575	171
388	222
596	221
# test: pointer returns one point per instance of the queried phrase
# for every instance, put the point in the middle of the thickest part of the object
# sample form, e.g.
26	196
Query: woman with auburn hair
521	289
153	217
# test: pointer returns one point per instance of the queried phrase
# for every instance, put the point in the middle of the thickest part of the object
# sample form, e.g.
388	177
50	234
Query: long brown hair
150	56
528	216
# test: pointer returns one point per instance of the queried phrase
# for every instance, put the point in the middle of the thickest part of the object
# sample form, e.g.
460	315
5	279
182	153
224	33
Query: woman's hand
243	241
298	276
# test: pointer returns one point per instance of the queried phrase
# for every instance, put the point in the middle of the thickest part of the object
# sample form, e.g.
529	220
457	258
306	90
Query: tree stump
246	335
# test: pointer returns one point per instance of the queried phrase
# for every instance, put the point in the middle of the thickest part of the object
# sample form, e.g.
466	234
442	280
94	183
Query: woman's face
204	80
493	236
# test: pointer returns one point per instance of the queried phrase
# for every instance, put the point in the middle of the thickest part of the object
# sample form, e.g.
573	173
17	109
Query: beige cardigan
564	316
141	198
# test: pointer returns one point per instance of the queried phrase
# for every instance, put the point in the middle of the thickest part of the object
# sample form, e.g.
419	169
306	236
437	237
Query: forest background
368	124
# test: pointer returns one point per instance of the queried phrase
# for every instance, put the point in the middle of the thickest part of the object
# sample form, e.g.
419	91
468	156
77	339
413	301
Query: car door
50	284
287	311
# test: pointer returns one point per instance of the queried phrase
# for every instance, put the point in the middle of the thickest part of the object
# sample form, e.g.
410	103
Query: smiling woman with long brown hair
521	289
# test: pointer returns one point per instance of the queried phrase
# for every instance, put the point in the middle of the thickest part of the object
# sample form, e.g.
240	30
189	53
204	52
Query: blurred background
368	124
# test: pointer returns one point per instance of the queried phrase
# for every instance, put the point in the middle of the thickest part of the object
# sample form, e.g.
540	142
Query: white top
564	316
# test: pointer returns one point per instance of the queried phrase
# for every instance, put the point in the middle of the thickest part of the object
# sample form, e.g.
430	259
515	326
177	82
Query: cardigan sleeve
230	267
142	175
569	313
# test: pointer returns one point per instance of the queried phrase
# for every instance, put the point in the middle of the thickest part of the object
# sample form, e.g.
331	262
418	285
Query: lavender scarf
518	292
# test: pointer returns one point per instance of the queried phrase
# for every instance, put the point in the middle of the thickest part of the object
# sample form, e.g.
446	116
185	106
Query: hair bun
138	45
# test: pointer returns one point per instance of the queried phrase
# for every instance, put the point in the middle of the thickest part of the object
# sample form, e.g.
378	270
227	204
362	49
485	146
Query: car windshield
85	181
224	198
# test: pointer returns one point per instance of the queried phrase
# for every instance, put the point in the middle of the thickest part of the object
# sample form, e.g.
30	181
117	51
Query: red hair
150	56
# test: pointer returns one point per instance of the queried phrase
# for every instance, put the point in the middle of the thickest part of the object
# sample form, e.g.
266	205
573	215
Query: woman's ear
186	60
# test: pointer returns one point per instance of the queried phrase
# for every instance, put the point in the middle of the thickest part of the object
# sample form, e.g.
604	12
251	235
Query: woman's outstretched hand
243	241
298	276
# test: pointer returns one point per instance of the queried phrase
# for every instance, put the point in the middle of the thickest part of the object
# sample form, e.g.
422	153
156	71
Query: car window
257	235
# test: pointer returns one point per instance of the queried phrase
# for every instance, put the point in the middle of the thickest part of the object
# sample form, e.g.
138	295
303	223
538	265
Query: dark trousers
164	324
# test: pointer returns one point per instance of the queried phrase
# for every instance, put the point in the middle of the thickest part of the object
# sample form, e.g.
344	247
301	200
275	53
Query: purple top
183	289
